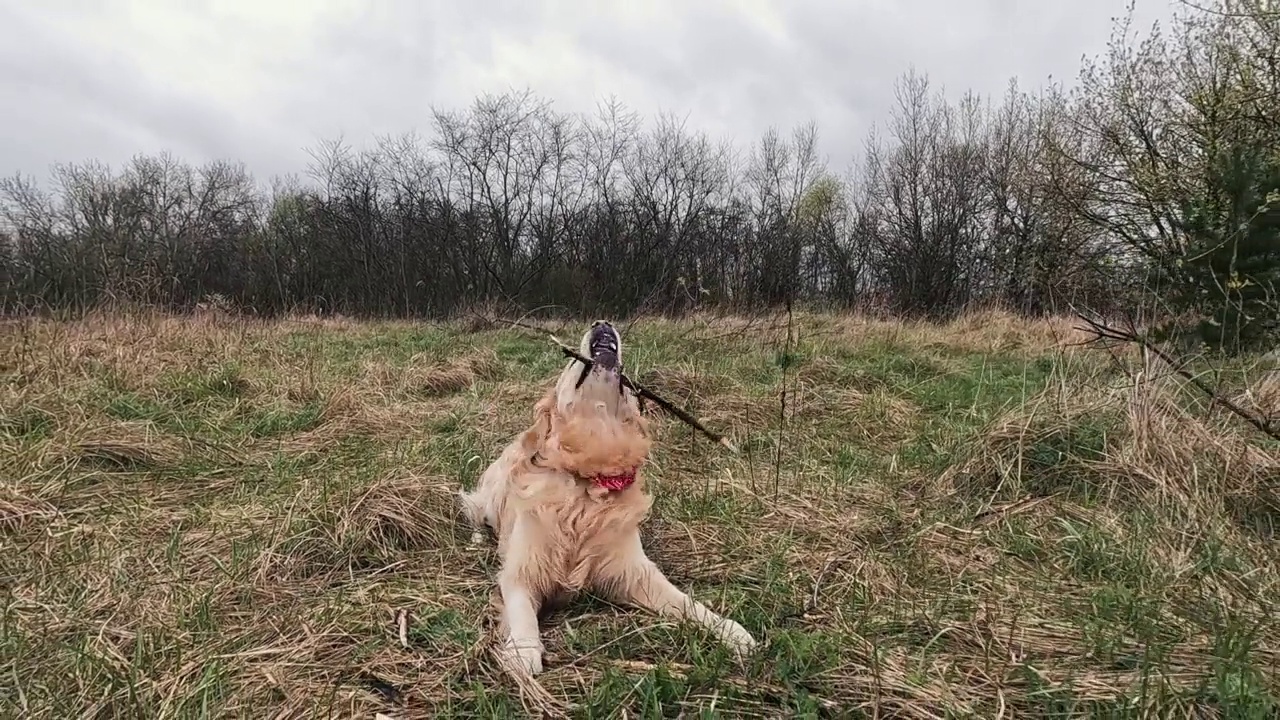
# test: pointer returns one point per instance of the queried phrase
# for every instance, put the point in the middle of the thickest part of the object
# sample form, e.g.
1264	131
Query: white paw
737	638
522	657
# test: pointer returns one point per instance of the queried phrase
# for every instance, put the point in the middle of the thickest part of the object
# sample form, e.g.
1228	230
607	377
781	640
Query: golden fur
558	533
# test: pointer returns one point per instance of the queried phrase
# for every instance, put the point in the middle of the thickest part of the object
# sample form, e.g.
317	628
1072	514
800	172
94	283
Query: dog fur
558	532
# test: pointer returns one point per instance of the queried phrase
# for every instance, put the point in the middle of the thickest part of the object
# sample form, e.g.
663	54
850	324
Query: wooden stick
1103	331
647	394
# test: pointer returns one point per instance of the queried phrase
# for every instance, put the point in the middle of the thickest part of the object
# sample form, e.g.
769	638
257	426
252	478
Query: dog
565	500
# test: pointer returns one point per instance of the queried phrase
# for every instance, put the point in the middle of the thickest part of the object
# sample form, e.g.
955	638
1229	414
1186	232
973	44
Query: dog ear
633	414
536	435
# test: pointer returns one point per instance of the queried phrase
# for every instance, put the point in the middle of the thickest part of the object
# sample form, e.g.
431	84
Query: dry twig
1102	331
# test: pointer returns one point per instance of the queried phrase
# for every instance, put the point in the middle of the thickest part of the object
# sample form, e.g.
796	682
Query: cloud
259	81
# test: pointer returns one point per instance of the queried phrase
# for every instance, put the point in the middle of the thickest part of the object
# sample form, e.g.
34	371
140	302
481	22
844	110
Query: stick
650	395
1102	331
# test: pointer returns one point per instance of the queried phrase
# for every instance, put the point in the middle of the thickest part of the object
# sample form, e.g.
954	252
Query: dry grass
213	517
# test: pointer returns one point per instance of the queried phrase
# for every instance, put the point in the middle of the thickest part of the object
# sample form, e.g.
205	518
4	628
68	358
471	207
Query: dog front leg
521	650
641	583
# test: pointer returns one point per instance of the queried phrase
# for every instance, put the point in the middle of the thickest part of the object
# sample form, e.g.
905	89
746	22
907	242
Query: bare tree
1183	136
926	187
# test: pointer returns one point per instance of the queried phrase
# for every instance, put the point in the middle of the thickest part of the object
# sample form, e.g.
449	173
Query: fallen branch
647	394
1102	331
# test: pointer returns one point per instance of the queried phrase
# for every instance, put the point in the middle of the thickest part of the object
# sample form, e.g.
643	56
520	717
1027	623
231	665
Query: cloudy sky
260	80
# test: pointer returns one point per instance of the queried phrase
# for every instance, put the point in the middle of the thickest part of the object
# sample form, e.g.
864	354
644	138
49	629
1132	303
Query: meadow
208	516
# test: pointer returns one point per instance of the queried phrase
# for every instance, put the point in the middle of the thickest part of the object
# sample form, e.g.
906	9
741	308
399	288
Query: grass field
208	517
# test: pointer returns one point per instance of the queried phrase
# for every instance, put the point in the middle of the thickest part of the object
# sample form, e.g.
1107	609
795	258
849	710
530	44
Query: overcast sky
260	80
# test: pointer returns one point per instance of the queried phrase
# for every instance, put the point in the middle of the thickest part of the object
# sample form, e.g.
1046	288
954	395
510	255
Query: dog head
589	423
599	382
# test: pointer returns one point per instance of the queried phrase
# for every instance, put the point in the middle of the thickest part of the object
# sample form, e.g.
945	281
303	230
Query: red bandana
615	482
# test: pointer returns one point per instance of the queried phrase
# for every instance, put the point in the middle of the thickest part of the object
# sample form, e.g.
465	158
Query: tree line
1153	182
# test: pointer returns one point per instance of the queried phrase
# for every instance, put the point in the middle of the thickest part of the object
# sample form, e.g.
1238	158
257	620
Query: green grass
212	518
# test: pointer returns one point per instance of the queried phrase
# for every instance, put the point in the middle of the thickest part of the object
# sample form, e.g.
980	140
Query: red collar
621	481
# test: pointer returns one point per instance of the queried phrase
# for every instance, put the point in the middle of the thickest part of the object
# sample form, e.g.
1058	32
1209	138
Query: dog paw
738	639
521	658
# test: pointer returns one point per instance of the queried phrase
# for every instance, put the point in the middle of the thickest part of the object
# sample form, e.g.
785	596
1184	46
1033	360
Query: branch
1262	14
649	395
1102	331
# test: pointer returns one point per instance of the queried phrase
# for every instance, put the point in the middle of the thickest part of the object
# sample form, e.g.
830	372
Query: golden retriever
565	500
